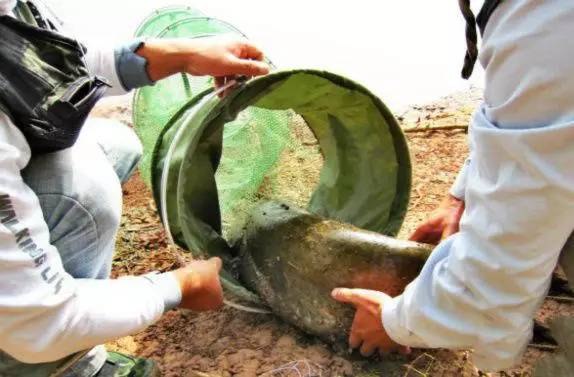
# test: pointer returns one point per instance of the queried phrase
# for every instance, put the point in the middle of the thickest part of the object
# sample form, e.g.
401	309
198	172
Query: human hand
367	331
220	56
442	223
200	286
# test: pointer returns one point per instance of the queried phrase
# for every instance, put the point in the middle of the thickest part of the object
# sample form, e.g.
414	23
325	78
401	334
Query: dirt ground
233	343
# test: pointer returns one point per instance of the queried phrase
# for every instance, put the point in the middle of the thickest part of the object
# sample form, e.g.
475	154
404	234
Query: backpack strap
24	14
4	109
26	11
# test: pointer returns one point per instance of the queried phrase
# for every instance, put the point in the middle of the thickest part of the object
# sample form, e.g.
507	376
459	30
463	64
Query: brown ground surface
233	343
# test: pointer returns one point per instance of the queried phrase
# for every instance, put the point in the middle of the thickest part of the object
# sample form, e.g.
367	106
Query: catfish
293	259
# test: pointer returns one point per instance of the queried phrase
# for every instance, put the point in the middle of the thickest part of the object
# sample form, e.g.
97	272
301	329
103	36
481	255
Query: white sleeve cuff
504	355
396	331
168	287
458	188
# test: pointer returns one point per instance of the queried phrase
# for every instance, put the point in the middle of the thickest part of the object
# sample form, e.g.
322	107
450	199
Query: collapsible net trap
309	137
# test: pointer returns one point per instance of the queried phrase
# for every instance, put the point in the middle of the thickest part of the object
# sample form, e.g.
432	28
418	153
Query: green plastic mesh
193	27
258	138
267	155
156	22
156	105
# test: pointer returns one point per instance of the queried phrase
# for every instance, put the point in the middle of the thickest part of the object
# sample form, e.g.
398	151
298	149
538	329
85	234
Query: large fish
293	259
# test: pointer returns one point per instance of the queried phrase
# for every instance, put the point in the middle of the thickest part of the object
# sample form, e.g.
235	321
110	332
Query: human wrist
131	68
169	287
165	57
392	325
451	201
200	286
187	280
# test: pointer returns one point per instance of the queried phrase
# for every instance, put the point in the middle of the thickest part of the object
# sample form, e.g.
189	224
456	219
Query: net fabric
259	138
267	155
156	22
193	27
156	105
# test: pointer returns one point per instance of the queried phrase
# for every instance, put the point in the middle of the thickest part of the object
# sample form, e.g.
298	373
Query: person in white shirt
59	214
485	281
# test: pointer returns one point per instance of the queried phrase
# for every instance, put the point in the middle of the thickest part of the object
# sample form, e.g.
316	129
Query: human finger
351	296
354	340
216	262
248	67
404	350
368	349
221	82
250	51
426	233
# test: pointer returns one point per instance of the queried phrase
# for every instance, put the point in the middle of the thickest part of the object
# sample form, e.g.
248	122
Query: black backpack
45	86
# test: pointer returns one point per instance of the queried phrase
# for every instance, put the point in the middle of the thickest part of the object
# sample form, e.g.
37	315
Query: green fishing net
311	138
161	19
157	104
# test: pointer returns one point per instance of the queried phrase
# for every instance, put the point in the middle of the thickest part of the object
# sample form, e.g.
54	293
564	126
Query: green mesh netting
162	18
312	138
157	104
252	146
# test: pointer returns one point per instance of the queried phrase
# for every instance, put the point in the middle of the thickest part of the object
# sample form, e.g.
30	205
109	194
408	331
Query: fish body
293	259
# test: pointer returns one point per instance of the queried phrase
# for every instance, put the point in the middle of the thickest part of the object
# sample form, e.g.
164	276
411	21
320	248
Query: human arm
481	287
46	314
141	63
444	220
214	56
442	223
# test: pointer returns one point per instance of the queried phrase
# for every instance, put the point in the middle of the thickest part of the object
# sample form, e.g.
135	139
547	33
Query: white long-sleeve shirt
45	314
481	287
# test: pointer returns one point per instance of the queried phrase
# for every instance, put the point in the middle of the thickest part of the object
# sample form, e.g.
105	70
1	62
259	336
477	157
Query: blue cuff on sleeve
132	68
